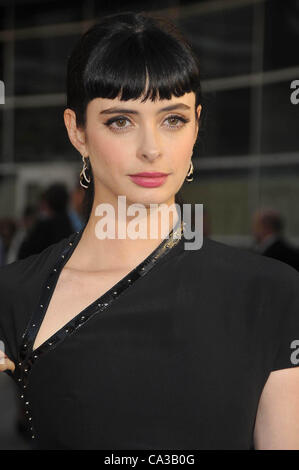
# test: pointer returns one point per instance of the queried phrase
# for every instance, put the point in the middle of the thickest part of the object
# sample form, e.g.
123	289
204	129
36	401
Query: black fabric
280	249
177	361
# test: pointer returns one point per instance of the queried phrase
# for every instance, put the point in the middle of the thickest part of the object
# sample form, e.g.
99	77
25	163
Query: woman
182	348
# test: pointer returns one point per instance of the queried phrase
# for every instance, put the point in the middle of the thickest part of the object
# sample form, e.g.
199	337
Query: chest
131	378
71	295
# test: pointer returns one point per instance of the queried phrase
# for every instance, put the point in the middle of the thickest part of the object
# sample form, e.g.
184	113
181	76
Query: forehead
102	104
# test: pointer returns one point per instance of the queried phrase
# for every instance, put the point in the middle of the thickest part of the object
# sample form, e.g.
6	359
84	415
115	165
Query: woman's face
122	138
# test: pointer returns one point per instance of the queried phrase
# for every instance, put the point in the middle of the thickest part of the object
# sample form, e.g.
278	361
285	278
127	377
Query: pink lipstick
149	180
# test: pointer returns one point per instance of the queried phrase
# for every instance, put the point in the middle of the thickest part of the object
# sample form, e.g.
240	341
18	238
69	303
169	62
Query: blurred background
246	163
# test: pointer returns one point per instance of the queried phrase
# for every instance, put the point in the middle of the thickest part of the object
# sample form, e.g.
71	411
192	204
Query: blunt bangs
130	56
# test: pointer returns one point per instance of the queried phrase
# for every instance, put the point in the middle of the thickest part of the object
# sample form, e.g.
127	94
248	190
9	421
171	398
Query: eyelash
121	129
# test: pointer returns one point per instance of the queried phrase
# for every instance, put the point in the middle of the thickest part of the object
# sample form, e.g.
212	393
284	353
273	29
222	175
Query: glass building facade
247	155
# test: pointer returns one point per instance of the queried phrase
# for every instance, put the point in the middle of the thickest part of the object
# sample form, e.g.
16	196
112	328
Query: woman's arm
277	420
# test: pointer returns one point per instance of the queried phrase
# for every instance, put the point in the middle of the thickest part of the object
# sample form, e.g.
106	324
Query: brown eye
173	120
114	122
176	122
121	120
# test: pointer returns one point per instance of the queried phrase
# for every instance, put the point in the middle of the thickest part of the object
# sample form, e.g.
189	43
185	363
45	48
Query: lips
150	174
149	180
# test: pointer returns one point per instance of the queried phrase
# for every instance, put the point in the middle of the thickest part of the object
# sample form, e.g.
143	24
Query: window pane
225	197
222	40
1	61
38	13
40	64
2	17
281	34
280	119
107	6
40	134
279	189
226	124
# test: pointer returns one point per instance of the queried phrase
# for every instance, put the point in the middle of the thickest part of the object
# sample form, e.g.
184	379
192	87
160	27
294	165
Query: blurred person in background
24	225
75	211
8	227
268	232
53	222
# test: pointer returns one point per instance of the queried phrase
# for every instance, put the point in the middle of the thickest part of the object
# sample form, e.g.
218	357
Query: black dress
174	356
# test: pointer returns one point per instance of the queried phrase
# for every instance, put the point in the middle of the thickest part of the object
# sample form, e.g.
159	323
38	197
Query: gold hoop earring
190	173
83	174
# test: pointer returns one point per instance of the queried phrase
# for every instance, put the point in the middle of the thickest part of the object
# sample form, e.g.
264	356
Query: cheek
180	151
107	152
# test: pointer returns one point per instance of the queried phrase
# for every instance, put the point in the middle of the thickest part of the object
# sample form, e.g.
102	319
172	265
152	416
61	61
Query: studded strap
27	357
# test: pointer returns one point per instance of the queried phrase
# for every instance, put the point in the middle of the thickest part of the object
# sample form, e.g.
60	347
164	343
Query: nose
149	147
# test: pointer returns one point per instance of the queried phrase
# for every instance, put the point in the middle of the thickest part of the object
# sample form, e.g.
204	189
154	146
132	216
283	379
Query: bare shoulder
277	420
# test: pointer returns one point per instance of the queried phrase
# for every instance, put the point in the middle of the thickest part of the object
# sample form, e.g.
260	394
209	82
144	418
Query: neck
119	250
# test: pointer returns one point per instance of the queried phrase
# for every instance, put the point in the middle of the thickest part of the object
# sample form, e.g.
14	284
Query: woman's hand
5	362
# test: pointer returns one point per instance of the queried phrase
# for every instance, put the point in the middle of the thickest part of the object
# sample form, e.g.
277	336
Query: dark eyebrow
132	111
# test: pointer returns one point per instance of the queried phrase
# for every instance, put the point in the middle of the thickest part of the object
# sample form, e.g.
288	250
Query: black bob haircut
124	55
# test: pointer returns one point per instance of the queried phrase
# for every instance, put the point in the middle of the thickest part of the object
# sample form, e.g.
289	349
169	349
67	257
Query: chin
157	198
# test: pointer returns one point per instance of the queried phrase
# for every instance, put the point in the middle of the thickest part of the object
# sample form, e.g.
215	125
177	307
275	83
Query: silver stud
142	269
22	396
24	386
70	243
82	318
20	363
55	269
115	292
48	287
25	370
129	280
27	412
27	403
105	305
35	356
19	380
30	418
33	324
31	429
33	437
66	330
50	344
41	305
62	256
25	345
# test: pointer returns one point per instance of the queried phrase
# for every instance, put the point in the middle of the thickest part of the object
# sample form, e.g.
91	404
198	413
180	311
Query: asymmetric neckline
27	354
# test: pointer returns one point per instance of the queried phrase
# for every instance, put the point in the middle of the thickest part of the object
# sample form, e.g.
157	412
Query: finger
6	363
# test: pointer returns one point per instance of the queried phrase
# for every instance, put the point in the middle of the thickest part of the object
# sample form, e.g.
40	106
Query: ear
198	111
76	135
